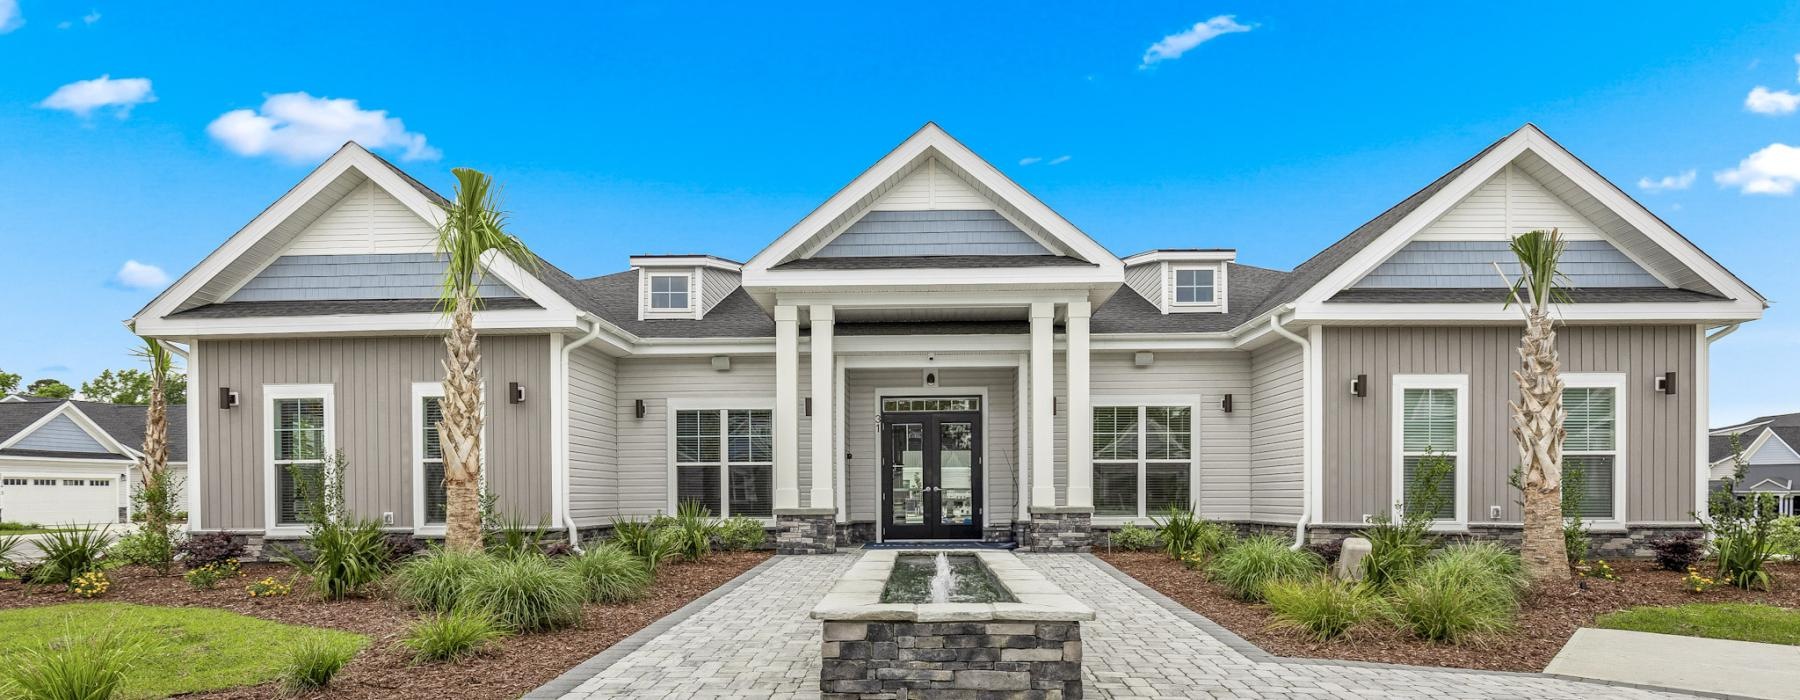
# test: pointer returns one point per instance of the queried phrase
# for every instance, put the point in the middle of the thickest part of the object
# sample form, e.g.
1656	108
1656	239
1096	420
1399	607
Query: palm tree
473	225
1538	414
153	467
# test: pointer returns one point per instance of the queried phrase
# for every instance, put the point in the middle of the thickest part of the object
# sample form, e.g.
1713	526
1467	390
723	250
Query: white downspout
562	451
1702	399
1307	438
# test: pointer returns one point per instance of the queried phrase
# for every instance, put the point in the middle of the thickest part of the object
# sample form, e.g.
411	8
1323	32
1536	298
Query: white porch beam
1043	405
787	410
1081	425
824	416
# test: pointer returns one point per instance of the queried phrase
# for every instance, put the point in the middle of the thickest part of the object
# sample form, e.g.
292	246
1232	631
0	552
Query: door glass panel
956	473
907	442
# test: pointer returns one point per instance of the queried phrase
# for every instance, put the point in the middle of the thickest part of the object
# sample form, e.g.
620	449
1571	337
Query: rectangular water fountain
961	623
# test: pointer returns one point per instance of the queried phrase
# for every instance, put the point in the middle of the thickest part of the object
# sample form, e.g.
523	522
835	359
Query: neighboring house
935	353
1767	448
66	461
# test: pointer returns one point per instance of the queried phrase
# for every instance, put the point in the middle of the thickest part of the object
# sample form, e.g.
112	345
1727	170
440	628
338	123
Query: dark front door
931	475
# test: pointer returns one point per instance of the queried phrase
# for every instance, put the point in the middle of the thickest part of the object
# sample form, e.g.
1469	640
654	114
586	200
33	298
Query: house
935	353
67	461
1766	446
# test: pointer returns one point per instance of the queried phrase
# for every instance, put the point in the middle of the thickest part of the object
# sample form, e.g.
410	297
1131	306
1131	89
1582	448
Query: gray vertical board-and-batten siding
61	434
593	437
360	276
372	382
1660	428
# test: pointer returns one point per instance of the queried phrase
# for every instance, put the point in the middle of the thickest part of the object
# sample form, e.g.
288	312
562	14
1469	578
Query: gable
346	277
1470	264
1774	451
365	220
60	434
931	232
1509	203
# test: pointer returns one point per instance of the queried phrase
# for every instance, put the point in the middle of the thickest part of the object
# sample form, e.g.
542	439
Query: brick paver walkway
756	642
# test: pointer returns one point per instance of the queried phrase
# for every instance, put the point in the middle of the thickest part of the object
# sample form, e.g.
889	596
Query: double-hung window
1196	285
1143	459
669	292
1591	458
1430	445
724	460
299	436
430	506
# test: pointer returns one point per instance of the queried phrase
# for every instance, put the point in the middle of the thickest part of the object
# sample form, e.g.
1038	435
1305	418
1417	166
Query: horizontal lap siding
1277	427
1660	429
372	380
593	437
1222	439
644	459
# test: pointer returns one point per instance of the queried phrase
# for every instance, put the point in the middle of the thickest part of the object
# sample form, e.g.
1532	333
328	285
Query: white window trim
1397	444
1617	382
687	277
420	392
1192	403
675	406
271	393
1218	302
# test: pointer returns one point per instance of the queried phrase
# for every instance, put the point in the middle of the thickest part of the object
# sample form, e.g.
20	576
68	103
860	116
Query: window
724	460
298	427
73	482
669	292
1195	285
431	460
1591	458
99	482
1430	415
43	482
960	403
12	482
1143	459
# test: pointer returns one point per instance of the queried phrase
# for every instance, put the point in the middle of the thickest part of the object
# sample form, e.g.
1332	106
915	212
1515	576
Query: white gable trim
929	141
1748	450
82	421
1779	485
1745	301
1772	438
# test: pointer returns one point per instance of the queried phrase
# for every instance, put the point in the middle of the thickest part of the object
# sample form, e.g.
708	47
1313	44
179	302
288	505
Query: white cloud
91	17
1174	45
1029	161
65	24
1059	160
1773	170
137	275
10	18
1666	183
299	127
84	96
1765	101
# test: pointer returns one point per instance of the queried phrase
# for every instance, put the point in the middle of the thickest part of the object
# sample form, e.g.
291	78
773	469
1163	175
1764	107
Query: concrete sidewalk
1726	667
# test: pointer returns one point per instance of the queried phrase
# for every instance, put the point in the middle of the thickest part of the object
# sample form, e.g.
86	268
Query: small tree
9	382
155	492
1742	526
131	386
50	389
1538	414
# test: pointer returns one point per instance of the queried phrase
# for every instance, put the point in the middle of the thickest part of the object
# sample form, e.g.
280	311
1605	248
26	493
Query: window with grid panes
299	439
1142	460
1429	429
724	460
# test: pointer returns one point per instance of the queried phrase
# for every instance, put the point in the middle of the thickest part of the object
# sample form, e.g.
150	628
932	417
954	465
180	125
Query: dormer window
1196	286
669	293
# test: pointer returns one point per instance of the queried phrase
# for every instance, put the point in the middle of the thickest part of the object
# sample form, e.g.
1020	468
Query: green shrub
1453	597
311	664
435	582
347	556
452	637
1321	607
526	594
1251	564
611	574
210	576
694	527
92	667
69	553
1785	536
1132	538
510	537
1491	559
664	546
1185	536
143	548
1742	527
633	534
741	534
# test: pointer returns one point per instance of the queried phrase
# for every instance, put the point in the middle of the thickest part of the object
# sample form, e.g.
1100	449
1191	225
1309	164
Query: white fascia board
931	278
1749	451
1740	428
707	261
1156	256
1161	341
517	320
112	465
1720	312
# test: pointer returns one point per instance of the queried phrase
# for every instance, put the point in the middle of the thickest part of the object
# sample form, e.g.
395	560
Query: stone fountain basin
856	596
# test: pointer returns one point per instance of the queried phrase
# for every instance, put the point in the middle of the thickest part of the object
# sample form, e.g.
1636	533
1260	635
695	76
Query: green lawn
185	650
1741	621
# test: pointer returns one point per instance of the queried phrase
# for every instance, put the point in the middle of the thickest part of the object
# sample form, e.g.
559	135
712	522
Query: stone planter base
1057	530
806	531
992	659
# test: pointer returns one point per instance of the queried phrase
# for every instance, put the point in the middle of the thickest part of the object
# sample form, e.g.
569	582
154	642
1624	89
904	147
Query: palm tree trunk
460	431
1537	423
156	455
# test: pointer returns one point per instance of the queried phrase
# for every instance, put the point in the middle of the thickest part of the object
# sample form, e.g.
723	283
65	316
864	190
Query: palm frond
473	225
1539	253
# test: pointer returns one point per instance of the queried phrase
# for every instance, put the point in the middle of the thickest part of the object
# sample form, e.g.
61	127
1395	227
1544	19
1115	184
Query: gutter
1309	435
562	450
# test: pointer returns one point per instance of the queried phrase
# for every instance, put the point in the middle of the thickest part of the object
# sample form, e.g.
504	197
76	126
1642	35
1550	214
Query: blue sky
654	127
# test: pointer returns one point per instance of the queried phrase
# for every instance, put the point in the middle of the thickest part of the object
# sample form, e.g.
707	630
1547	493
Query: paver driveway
755	641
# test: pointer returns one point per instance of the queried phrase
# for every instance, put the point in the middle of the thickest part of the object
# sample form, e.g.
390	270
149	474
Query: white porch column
1081	420
1025	465
787	410
824	416
1043	405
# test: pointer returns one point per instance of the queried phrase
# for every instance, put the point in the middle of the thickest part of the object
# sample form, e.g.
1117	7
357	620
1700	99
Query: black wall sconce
515	393
227	398
1359	387
1225	404
1666	383
809	406
640	408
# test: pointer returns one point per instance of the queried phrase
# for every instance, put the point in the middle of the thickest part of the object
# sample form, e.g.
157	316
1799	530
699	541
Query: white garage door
52	500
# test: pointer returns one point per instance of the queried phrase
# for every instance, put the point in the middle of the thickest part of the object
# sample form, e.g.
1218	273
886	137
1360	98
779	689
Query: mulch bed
385	669
1548	616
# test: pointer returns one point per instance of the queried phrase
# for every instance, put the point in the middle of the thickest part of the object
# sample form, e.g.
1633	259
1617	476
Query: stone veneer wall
1631	543
806	532
1056	530
975	660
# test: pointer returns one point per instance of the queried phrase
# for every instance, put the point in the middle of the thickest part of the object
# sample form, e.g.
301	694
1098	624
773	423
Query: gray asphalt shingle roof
1247	288
1786	427
123	422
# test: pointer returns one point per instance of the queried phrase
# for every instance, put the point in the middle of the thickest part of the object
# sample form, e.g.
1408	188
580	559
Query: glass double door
931	475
